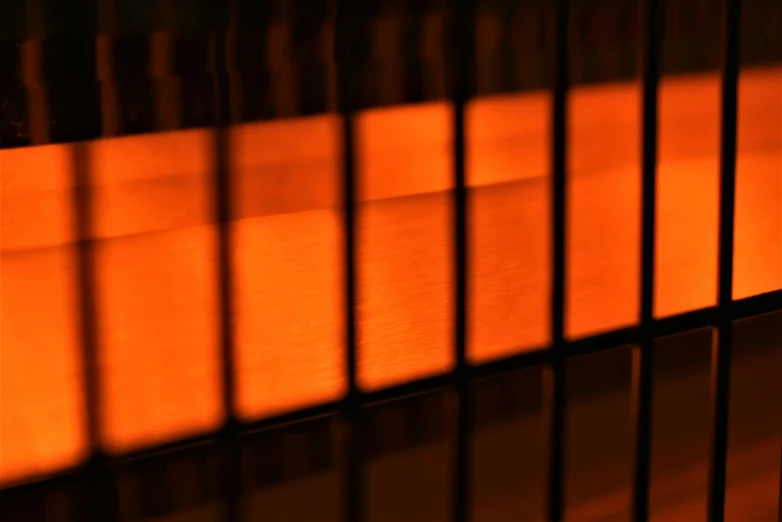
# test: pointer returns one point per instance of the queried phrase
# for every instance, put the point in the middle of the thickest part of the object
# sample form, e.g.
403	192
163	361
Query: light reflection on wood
156	255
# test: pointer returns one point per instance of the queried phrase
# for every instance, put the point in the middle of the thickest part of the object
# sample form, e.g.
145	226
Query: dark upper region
514	54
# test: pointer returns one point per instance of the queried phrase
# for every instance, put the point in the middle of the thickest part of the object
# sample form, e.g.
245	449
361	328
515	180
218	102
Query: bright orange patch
156	269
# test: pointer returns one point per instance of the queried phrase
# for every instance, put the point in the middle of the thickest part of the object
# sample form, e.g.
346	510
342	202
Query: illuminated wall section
156	286
508	156
758	256
603	214
156	254
689	169
288	259
688	150
41	400
404	243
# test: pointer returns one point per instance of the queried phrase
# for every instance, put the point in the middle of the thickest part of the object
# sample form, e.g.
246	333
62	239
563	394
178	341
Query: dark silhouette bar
556	482
723	339
344	31
100	506
96	499
643	353
461	61
222	190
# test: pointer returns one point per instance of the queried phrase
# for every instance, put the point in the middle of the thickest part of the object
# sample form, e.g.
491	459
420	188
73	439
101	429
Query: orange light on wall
288	259
41	405
508	153
156	270
758	256
156	286
404	244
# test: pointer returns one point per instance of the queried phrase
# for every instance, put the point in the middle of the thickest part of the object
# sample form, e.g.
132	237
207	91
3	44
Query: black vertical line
222	190
556	493
343	33
97	496
100	507
461	62
87	292
724	332
644	367
344	30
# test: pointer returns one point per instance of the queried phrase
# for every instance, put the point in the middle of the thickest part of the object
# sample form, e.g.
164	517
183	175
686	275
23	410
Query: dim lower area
155	246
408	447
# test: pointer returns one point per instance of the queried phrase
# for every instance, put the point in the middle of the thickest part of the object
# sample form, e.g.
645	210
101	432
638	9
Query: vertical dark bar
344	27
344	31
556	494
82	200
461	63
222	191
98	500
724	332
643	356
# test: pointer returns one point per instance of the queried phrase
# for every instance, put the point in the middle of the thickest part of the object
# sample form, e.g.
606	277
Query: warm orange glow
156	287
288	263
157	274
41	421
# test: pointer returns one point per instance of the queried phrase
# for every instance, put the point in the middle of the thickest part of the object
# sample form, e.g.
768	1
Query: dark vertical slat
100	506
88	307
222	191
643	355
93	500
354	451
556	496
724	332
462	61
96	499
344	30
343	33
